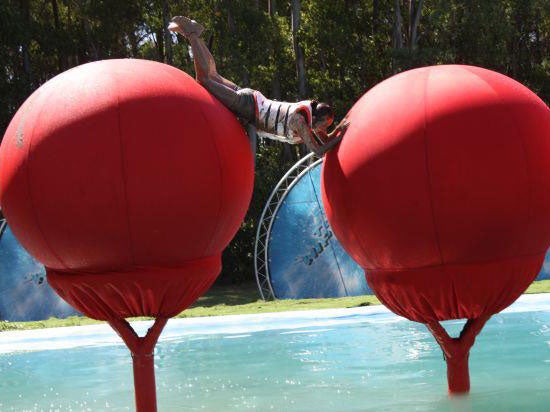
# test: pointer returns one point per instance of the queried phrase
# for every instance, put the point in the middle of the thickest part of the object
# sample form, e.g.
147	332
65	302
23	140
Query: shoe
185	26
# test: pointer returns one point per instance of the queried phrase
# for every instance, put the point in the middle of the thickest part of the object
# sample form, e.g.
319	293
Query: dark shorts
245	106
239	101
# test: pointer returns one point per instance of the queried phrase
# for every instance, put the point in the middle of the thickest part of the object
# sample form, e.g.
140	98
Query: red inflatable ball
126	179
440	190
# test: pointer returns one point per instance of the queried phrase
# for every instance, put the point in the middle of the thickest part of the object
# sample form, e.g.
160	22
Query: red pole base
144	383
143	360
458	375
457	352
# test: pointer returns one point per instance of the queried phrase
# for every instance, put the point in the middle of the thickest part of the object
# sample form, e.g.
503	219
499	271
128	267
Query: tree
330	50
298	51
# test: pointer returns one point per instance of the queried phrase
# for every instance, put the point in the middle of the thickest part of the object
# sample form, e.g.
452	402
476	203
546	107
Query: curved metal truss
267	218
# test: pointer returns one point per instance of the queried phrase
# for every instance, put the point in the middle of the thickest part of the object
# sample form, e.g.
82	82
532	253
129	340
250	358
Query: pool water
362	359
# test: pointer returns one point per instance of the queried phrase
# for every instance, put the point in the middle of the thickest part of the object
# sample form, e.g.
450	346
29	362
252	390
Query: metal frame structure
267	218
3	225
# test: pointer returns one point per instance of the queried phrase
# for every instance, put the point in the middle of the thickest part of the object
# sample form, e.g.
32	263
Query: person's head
323	116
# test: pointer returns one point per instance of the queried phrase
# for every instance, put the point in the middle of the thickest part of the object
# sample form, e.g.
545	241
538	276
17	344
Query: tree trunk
375	16
92	49
276	82
272	7
62	60
133	41
323	60
415	14
397	41
230	22
167	36
55	10
25	11
159	35
298	51
288	153
276	86
244	81
72	55
93	52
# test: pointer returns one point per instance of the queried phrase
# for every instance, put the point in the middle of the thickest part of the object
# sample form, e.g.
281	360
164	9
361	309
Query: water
345	360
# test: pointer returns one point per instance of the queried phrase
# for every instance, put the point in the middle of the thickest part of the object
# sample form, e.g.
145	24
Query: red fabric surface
130	170
142	291
454	291
441	190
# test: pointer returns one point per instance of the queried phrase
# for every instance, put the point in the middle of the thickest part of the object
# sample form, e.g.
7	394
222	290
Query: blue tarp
24	291
305	258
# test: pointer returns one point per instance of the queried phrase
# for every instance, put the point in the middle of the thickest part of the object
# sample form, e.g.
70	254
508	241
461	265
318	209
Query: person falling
301	122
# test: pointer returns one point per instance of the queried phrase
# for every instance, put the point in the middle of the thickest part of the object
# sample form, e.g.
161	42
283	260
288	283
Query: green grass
238	300
541	286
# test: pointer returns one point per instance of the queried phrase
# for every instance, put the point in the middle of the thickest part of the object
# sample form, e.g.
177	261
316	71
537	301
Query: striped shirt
278	120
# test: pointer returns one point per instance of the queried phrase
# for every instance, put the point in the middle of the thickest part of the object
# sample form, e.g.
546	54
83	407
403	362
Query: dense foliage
332	50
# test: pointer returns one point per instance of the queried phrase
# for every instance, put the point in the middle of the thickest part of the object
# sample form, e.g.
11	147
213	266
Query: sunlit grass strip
213	305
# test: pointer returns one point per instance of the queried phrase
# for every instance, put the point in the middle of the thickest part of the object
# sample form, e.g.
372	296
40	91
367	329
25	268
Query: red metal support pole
144	383
458	374
142	349
457	352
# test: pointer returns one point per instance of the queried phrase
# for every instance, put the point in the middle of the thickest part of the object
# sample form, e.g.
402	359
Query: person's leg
205	65
241	104
206	57
205	68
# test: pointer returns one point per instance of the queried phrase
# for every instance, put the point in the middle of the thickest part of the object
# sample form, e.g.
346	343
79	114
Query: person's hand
340	129
343	125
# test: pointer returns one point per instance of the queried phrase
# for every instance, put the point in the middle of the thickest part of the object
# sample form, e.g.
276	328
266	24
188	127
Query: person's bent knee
205	82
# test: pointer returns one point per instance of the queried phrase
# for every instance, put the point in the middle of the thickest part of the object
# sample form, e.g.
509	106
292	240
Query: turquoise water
347	360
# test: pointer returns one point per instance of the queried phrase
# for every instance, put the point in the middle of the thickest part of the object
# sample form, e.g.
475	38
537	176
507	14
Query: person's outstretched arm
317	143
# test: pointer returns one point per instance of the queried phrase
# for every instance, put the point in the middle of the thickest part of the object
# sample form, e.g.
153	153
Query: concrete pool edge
103	335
